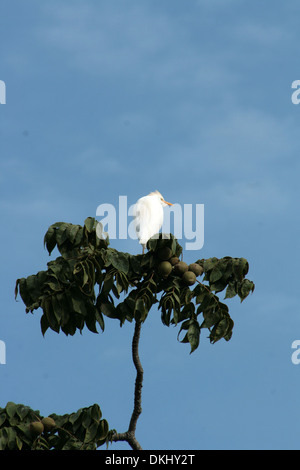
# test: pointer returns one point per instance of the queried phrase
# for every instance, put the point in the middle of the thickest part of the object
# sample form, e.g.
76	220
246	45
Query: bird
149	215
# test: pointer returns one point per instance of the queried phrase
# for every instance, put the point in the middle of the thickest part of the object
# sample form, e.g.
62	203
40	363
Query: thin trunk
129	436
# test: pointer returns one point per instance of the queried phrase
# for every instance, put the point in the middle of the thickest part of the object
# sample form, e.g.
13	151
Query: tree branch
129	436
139	378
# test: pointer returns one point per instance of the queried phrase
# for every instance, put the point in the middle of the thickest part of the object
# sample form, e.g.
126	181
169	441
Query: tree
127	288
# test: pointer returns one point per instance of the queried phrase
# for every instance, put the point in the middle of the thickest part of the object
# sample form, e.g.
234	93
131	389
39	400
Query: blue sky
190	98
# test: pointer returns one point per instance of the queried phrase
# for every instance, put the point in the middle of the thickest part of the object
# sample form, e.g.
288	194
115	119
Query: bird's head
160	198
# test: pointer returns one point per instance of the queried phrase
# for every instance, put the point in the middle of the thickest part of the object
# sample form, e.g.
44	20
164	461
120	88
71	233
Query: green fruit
165	268
174	260
164	253
36	428
180	268
48	423
196	269
189	278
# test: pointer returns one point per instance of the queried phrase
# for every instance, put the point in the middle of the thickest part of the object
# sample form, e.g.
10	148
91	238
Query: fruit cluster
171	264
45	425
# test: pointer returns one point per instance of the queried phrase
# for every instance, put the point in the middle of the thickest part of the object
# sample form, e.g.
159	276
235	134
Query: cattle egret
149	216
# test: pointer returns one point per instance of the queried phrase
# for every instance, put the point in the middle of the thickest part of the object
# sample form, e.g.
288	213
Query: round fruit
196	269
165	268
180	268
36	428
174	260
164	253
189	278
48	423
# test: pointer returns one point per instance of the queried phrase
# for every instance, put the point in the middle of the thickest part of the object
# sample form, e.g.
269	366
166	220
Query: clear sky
108	98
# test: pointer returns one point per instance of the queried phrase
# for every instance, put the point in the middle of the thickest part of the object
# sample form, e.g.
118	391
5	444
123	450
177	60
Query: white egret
149	216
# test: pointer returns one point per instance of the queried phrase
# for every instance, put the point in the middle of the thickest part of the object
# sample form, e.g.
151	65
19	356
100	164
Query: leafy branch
22	428
90	281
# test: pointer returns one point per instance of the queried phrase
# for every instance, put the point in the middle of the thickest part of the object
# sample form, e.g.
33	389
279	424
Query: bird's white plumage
149	216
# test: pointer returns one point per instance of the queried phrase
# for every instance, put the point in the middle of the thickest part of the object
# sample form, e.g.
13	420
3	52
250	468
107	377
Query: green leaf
34	286
11	438
228	334
50	239
96	412
17	288
140	311
200	292
44	324
87	418
23	291
135	264
225	265
62	234
77	302
79	237
85	274
2	418
221	329
211	317
11	409
89	224
230	291
19	443
152	244
245	265
193	335
3	438
90	321
118	260
48	310
102	429
121	283
74	229
240	266
56	308
209	263
91	432
184	326
245	288
108	309
209	301
75	416
107	284
215	275
99	319
218	286
22	411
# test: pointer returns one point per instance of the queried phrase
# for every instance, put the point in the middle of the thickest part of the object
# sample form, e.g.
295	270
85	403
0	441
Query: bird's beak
169	203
